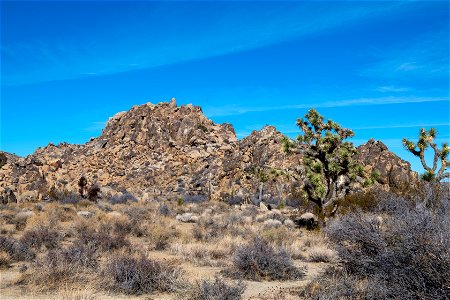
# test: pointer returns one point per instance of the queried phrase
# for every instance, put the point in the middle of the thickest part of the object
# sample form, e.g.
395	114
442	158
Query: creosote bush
139	275
217	289
259	260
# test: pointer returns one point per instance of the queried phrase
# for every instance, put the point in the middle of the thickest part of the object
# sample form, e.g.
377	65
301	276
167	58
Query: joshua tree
426	139
328	159
93	192
82	185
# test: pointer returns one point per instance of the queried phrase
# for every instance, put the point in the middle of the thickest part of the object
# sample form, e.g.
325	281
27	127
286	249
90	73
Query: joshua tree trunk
261	185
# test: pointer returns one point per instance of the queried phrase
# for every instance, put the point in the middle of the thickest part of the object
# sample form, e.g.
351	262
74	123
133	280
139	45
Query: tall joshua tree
328	159
426	140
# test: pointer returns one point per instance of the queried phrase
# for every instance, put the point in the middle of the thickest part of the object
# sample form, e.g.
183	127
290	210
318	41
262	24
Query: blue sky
380	68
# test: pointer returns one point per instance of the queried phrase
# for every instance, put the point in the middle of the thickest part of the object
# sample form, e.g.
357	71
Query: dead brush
411	247
103	241
16	250
207	254
259	260
41	236
5	260
138	275
63	267
280	236
160	235
216	289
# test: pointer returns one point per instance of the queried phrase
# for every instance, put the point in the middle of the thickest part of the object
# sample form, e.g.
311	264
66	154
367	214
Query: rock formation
168	151
394	172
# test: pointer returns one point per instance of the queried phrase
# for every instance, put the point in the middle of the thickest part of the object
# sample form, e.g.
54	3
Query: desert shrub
75	265
16	250
160	235
209	231
101	240
321	254
279	236
138	275
217	289
337	284
70	198
194	198
84	255
104	206
235	200
121	199
259	260
271	216
85	203
411	247
20	219
123	226
137	213
365	201
41	236
120	225
250	211
234	219
5	260
164	210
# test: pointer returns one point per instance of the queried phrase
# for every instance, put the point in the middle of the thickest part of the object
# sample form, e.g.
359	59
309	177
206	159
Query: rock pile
169	151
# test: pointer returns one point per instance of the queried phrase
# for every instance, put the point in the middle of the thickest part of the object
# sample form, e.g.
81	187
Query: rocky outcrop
394	172
168	151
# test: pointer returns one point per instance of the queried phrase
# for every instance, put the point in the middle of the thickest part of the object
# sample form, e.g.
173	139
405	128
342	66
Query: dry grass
74	293
77	256
207	254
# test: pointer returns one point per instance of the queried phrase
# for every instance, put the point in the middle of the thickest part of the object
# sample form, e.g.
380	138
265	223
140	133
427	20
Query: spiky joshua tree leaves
328	159
426	141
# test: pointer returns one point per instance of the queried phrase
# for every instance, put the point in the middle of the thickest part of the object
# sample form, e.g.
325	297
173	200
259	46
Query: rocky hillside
169	151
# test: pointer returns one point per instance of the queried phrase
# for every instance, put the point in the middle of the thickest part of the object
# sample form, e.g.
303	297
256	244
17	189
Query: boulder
307	220
187	218
85	214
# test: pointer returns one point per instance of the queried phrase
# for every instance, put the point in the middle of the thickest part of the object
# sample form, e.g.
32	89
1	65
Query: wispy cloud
392	89
238	110
425	56
153	43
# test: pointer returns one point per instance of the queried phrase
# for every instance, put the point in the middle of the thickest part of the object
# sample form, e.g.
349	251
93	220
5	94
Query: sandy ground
254	290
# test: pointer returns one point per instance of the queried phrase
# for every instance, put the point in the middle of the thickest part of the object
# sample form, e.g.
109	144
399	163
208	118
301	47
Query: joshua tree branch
422	160
443	176
437	154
